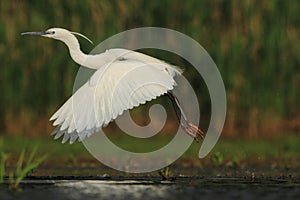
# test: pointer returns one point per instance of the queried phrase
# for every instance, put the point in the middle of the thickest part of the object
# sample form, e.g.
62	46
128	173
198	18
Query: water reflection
152	189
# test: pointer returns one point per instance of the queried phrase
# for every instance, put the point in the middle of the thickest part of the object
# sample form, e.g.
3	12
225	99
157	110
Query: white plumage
92	106
123	79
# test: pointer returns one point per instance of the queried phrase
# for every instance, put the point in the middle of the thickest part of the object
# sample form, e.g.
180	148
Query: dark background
255	44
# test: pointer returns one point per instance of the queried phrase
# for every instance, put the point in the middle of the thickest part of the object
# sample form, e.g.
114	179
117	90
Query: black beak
35	33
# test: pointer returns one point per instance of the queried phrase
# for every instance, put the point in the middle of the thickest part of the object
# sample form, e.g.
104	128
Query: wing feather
115	87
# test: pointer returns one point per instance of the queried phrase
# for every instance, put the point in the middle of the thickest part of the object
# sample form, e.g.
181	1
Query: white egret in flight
111	68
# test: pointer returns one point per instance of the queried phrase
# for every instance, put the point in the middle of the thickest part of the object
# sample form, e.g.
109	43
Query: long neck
77	55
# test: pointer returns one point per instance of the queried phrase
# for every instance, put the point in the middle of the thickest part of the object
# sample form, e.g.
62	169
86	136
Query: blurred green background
255	44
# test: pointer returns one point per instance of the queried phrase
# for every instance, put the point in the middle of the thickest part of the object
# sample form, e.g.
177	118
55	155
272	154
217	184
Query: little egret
113	74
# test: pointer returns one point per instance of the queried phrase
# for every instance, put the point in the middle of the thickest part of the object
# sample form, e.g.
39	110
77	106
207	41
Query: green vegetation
246	151
255	45
3	158
166	174
22	169
218	158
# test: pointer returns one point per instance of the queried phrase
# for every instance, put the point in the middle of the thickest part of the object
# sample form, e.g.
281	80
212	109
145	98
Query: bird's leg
190	128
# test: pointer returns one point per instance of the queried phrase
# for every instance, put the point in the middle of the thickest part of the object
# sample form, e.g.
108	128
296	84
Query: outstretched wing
124	83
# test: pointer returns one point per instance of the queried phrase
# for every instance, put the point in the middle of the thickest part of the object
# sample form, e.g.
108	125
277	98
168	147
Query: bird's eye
53	32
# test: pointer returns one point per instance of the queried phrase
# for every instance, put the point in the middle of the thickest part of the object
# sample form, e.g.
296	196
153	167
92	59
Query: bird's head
58	34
